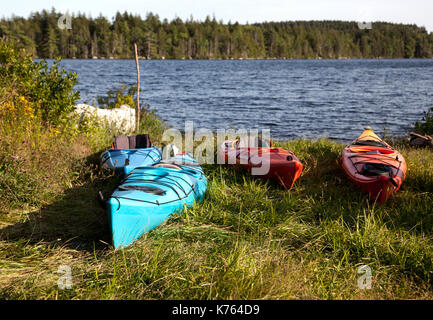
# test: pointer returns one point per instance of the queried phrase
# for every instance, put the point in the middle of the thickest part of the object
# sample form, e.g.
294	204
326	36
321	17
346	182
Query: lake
292	98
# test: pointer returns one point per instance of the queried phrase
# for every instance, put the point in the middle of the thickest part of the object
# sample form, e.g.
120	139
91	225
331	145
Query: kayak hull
135	212
358	156
276	164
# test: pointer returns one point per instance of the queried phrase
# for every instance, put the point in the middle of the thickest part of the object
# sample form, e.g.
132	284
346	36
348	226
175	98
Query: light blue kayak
149	195
123	161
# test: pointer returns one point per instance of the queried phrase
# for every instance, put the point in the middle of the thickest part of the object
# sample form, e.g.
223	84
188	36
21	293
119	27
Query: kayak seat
376	169
379	170
140	141
121	142
147	189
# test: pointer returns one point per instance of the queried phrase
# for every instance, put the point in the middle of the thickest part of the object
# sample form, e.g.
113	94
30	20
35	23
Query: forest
158	38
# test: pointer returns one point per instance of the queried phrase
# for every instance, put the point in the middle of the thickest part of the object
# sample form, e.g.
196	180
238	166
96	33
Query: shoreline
239	59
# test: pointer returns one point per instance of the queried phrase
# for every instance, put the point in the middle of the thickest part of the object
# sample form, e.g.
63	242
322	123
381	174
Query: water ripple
295	98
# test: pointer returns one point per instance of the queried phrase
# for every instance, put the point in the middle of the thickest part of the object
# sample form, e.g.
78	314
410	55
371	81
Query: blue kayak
123	161
149	195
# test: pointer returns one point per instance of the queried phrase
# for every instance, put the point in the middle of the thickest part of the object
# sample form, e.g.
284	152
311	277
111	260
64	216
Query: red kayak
263	160
374	166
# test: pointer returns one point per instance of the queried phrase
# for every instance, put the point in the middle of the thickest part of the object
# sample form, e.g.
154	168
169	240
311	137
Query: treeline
211	39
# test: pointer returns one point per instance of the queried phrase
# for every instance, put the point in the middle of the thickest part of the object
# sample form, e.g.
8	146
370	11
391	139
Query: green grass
249	239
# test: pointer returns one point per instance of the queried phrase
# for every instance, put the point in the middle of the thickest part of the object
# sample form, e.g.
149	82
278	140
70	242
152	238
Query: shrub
116	98
35	100
425	127
43	148
47	92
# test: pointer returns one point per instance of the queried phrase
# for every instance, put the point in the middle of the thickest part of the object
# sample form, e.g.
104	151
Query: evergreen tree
211	39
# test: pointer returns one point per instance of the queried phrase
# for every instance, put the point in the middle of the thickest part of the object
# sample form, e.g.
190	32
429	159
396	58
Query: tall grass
248	240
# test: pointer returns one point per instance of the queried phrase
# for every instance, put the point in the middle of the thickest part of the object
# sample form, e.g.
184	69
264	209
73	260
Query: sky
418	12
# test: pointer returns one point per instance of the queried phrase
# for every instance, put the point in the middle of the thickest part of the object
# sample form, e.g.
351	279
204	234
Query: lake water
292	98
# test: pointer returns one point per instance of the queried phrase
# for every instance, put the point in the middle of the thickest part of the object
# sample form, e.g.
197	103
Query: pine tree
211	39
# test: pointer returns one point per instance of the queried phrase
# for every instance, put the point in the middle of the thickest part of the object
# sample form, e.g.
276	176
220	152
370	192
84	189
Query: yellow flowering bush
27	110
7	107
37	89
54	131
17	109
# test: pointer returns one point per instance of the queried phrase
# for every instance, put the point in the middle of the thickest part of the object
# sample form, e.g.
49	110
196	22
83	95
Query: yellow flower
29	112
54	131
22	100
9	106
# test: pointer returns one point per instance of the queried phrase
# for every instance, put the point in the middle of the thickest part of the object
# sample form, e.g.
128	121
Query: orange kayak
264	161
374	166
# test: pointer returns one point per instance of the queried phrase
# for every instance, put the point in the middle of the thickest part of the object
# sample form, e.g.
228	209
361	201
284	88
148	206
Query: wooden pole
137	108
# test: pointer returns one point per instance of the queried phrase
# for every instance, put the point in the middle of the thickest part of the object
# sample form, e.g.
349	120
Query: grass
248	240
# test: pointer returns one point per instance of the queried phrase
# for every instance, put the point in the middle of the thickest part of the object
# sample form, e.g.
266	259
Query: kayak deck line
171	177
167	184
129	152
378	159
